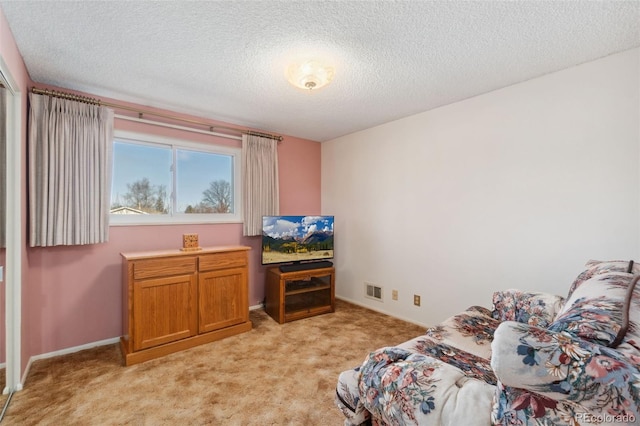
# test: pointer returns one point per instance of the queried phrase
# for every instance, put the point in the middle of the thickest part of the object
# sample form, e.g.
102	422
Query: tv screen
288	239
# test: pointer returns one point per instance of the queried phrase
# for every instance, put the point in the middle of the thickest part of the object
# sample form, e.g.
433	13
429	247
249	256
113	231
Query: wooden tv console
174	300
290	296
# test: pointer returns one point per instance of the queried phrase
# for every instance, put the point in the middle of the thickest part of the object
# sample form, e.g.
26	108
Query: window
160	180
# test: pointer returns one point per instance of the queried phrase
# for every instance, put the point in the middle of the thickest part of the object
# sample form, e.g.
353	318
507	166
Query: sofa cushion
400	387
557	376
471	331
594	311
441	378
597	267
533	308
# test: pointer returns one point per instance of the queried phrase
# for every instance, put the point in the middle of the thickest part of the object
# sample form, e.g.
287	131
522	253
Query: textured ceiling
225	60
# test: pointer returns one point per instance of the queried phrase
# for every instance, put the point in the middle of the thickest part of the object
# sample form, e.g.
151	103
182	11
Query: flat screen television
296	239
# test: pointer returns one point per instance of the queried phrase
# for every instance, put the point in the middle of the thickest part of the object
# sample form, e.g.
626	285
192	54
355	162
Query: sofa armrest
402	387
348	399
562	367
533	308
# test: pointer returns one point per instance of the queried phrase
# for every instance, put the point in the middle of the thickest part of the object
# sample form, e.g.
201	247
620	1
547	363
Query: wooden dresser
174	300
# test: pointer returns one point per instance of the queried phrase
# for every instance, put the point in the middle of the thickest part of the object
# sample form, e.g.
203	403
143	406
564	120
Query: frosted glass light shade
309	75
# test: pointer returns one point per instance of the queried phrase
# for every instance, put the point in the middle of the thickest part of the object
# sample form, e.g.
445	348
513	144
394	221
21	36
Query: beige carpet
273	375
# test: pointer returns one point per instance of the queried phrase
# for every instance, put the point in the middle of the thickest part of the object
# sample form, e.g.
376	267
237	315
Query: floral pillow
594	311
557	378
533	308
597	267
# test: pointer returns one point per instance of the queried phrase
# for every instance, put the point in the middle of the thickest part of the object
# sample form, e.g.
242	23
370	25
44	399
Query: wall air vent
372	291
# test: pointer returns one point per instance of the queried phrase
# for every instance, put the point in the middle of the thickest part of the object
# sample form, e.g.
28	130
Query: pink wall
299	177
71	295
74	293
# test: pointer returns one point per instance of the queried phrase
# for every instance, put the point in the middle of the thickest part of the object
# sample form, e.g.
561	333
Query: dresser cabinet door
164	310
223	298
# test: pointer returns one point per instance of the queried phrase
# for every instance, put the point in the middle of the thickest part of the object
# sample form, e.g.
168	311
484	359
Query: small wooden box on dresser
174	300
300	294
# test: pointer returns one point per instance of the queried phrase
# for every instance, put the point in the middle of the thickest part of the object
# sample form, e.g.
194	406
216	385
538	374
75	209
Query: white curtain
3	165
70	148
260	181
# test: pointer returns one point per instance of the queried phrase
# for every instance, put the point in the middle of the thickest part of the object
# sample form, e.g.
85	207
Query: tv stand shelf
307	289
295	295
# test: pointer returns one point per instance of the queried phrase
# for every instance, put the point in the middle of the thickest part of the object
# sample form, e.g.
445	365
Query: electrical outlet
394	294
416	300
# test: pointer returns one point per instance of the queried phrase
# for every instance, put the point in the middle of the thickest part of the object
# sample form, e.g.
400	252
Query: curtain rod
94	101
177	126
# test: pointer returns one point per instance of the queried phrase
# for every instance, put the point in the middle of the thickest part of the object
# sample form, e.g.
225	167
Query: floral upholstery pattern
469	330
395	380
594	310
533	308
421	381
555	376
597	267
472	365
534	359
348	398
401	387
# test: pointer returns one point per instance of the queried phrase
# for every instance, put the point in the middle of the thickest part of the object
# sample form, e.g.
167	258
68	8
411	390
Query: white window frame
183	218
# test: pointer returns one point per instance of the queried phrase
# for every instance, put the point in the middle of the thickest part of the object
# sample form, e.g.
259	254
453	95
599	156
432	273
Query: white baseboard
65	352
382	311
254	307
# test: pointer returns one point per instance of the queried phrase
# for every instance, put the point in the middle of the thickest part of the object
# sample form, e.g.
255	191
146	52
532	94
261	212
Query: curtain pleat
260	182
70	149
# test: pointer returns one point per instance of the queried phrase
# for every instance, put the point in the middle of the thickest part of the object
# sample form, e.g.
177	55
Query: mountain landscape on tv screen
297	246
315	241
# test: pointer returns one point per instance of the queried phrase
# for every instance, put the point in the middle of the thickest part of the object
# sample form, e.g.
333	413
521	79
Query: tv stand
290	296
305	266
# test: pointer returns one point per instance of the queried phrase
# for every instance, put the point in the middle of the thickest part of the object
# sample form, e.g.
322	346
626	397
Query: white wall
516	188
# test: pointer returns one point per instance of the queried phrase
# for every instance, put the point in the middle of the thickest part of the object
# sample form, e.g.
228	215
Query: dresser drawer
162	267
231	259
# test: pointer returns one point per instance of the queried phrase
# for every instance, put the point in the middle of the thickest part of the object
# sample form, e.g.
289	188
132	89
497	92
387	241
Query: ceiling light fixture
309	75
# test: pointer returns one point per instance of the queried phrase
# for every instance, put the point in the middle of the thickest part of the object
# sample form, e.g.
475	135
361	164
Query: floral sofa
533	359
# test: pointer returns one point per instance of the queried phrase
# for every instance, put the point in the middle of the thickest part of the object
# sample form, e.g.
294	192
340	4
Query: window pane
141	179
159	180
204	182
